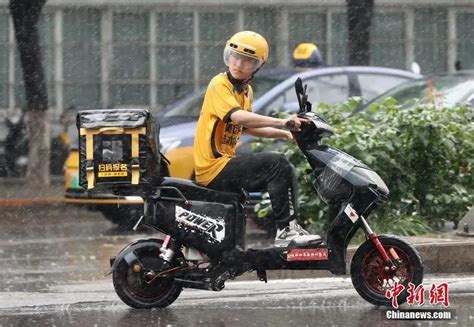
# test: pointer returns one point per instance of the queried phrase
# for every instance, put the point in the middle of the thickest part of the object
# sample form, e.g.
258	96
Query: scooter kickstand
262	275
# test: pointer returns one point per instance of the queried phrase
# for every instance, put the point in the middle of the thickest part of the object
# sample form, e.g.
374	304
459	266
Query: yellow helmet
249	44
307	55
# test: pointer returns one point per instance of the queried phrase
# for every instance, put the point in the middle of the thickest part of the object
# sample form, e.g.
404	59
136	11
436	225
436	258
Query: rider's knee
283	163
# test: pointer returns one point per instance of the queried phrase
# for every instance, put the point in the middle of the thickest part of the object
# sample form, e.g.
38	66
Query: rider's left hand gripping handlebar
290	125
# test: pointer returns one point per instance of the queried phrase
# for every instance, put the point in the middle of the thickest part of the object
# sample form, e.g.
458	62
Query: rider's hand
290	137
293	123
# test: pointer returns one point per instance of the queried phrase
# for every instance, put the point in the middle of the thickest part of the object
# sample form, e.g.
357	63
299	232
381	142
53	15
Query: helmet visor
228	52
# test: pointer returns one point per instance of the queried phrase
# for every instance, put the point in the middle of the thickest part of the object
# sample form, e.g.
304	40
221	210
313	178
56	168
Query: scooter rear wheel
370	278
138	289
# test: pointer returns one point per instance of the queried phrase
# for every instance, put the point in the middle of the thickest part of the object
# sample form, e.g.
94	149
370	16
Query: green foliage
424	154
396	225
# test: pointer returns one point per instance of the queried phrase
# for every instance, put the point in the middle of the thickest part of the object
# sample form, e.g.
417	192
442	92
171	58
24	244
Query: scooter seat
195	192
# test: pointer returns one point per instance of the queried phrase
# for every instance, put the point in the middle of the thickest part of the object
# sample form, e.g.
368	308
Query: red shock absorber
388	262
166	241
379	246
167	253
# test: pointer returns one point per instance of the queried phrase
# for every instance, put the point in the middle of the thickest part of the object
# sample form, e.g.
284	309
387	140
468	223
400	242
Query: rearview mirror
299	86
304	104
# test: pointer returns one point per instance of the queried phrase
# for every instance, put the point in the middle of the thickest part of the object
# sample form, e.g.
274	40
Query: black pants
258	172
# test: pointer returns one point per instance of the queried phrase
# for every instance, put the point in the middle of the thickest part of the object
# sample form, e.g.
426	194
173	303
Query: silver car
439	90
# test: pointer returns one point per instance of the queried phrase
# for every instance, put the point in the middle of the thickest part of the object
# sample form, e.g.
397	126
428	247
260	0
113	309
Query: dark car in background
273	93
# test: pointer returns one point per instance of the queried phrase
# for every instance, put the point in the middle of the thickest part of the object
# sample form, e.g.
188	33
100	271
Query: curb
15	192
31	202
465	234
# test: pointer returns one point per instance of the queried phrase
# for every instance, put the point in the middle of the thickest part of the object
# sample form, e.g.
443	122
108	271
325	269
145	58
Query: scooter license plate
307	254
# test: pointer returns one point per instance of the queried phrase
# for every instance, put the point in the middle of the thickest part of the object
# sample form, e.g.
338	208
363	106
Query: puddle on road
56	247
290	314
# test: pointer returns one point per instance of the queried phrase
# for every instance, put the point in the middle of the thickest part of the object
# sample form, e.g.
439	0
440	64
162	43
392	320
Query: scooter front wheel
370	278
138	285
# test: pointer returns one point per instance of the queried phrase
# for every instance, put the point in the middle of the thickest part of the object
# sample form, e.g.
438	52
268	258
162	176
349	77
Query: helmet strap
253	74
241	85
238	84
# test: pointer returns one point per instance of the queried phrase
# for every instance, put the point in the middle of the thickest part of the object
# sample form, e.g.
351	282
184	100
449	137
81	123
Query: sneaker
294	234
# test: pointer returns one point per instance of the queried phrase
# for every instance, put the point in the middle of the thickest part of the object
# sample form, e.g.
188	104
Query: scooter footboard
312	258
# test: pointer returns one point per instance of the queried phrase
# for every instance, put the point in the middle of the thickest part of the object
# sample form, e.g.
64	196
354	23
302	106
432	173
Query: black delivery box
118	148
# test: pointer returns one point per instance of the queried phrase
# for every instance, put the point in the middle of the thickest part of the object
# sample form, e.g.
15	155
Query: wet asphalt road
52	275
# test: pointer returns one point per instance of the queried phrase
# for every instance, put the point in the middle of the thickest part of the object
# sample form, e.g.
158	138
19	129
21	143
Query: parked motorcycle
16	146
204	232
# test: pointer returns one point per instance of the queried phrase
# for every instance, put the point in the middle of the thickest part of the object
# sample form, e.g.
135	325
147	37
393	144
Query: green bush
424	154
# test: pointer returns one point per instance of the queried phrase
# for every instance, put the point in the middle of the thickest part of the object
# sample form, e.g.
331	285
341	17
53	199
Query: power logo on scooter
214	228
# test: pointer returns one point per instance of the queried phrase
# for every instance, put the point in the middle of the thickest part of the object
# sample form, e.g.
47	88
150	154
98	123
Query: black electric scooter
204	232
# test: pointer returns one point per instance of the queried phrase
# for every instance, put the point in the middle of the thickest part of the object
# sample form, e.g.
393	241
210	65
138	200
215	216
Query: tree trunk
359	19
25	15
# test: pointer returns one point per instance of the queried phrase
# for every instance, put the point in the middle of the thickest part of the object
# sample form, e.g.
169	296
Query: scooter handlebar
290	125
